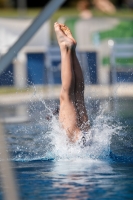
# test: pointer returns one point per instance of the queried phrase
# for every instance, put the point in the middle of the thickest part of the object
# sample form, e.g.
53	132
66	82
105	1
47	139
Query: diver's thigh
68	115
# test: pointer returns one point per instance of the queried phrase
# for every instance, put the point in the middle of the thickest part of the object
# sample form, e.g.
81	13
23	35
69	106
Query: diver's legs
79	94
79	86
68	112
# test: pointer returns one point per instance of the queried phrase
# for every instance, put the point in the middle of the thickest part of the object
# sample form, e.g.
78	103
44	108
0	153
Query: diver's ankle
67	49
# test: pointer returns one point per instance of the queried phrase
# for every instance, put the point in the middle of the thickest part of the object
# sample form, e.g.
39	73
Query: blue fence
7	77
36	68
44	68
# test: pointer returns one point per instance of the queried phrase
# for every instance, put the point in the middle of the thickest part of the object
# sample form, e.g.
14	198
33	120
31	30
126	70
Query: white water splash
101	131
47	140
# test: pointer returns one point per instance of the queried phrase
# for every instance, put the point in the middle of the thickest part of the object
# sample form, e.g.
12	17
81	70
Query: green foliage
71	24
119	61
123	30
124	61
106	61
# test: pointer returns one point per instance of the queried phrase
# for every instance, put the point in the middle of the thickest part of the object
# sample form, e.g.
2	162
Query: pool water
75	179
47	167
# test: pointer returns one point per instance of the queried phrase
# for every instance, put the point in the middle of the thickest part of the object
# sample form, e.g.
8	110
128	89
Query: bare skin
72	115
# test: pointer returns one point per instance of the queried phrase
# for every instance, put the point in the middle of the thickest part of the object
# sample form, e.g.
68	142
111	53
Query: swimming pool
48	168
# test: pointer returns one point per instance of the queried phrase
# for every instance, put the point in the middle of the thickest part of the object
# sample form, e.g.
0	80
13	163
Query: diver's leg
67	113
79	94
79	87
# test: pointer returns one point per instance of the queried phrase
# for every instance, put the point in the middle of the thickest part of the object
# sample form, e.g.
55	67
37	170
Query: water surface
48	168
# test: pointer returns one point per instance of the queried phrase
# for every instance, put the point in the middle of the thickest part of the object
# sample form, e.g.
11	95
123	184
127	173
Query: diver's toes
56	26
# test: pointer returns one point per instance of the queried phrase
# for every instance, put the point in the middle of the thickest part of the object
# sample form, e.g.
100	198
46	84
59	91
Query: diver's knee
62	97
66	95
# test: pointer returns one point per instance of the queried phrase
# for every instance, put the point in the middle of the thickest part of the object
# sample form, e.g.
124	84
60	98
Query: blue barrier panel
92	65
36	68
7	76
56	71
89	66
53	60
123	77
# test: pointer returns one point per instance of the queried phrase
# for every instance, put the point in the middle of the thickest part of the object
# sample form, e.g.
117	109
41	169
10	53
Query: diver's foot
64	36
67	31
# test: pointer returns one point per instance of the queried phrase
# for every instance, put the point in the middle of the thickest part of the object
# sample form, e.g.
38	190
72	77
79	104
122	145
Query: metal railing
49	9
122	49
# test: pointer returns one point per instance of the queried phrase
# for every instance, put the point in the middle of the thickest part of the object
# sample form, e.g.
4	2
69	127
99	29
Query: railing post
7	176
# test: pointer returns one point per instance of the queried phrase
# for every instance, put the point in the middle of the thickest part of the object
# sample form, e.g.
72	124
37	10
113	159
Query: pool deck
52	92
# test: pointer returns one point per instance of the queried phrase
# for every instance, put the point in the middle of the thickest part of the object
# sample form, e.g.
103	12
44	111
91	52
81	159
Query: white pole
20	71
7	176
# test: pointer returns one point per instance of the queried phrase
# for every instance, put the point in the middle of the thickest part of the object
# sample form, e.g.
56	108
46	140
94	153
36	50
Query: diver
72	112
